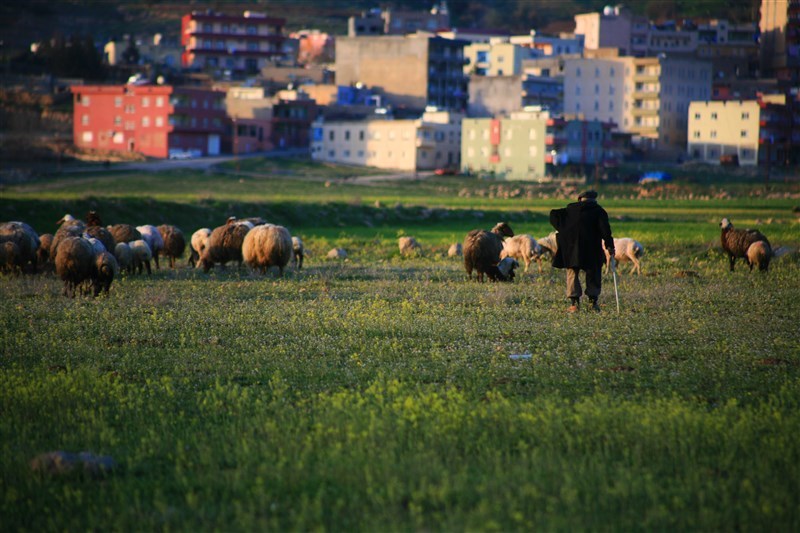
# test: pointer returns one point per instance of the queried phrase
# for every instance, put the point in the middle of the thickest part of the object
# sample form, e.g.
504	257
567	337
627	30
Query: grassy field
378	393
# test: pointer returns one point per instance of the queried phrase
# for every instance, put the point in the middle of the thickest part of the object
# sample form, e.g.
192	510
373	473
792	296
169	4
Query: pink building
154	120
245	42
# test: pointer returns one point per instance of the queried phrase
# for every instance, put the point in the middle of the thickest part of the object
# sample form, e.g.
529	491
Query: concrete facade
717	129
496	58
491	96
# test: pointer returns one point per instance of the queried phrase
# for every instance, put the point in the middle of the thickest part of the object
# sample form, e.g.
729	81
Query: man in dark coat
582	228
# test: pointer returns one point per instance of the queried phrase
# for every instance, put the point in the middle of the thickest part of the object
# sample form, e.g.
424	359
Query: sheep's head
65	218
506	267
503	230
93	219
725	224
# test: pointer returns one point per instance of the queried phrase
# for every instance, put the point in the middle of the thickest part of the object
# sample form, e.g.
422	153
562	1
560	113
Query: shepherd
582	228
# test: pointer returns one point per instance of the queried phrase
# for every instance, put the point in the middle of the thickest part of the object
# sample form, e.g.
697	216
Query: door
213	145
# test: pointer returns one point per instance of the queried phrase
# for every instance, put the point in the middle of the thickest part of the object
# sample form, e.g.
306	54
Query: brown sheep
27	242
267	246
105	270
482	249
9	257
224	245
69	226
74	263
174	243
735	242
43	253
103	235
759	254
124	233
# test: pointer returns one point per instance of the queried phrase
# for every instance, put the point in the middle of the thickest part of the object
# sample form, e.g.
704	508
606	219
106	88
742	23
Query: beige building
615	27
490	96
724	128
430	142
498	57
648	97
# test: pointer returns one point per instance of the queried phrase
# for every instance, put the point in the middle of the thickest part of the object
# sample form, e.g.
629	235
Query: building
498	57
779	26
430	142
403	21
751	131
549	46
532	145
250	112
291	122
411	71
246	42
491	96
369	23
615	27
646	96
314	46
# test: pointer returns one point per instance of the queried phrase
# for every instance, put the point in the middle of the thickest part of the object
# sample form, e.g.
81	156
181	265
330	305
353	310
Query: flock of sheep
87	256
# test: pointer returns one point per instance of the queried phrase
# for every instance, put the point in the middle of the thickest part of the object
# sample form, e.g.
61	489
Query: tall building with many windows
246	42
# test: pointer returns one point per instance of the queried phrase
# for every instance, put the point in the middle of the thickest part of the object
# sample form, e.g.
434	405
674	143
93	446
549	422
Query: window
713	116
252	30
85	120
118	101
145	122
332	154
532	135
159	101
346	138
696	134
87	136
346	153
743	134
577	91
117	120
578	72
361	135
596	89
507	152
159	121
745	115
85	101
145	101
697	116
533	151
331	135
713	134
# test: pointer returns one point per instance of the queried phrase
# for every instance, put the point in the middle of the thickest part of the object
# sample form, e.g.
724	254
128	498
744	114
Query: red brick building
246	42
154	120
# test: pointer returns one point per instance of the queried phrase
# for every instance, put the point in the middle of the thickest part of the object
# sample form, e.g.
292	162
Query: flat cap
588	195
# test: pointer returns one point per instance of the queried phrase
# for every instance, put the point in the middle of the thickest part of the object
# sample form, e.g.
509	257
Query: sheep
409	246
298	251
625	249
93	219
124	256
735	242
337	253
141	255
75	263
502	271
759	254
101	234
224	245
152	237
174	242
267	246
43	253
523	247
26	240
69	226
197	244
455	250
549	244
251	221
97	246
9	257
482	249
105	270
124	233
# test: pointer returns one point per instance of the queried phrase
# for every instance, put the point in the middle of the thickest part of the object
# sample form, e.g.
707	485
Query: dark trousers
593	282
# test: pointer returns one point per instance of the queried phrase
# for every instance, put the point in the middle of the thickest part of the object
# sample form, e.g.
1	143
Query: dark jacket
582	227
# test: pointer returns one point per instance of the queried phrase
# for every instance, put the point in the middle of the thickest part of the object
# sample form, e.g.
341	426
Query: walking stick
616	290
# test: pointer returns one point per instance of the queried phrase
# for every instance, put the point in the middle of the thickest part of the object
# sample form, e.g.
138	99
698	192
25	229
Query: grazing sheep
26	240
298	251
455	250
101	234
43	253
197	244
9	257
69	226
409	246
252	221
482	249
105	270
152	237
97	246
502	271
625	249
174	242
759	254
224	245
267	246
337	253
548	244
735	242
124	233
523	247
75	263
124	256
141	255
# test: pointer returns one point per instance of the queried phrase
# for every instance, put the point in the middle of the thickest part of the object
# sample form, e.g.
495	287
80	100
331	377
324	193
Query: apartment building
549	46
495	58
246	42
755	131
647	97
432	141
491	96
530	145
779	25
154	120
614	27
250	112
412	71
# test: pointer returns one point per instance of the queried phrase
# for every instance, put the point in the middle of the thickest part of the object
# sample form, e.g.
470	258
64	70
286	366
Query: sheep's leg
155	258
147	264
732	260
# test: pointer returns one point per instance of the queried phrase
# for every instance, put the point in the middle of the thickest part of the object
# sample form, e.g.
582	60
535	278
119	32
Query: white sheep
152	237
267	246
549	244
124	256
455	250
141	255
337	253
298	252
523	247
625	249
198	244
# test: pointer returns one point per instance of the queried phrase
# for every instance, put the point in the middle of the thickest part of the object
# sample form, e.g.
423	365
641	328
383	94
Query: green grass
378	393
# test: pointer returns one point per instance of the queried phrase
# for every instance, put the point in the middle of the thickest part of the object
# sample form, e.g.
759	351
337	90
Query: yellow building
498	57
725	128
433	141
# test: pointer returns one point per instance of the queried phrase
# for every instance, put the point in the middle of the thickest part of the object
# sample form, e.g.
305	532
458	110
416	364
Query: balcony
645	95
639	111
554	140
645	77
